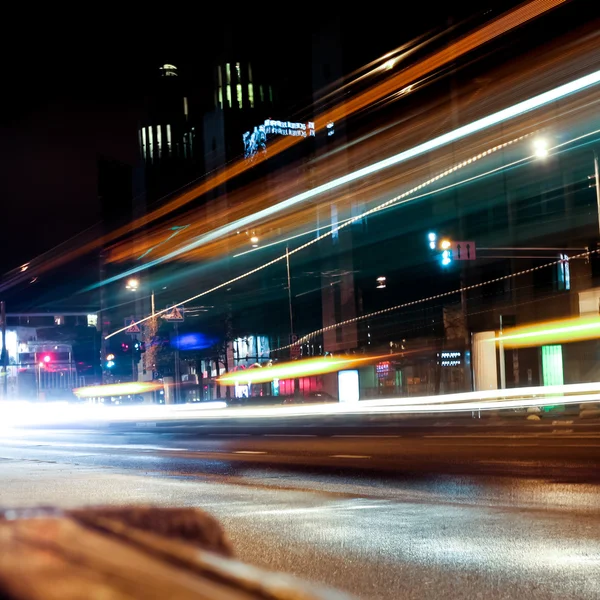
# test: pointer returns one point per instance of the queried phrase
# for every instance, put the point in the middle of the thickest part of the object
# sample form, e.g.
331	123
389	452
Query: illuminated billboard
255	141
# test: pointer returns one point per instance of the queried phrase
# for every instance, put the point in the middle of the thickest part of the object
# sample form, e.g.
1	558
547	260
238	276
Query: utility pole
134	371
103	325
292	336
289	286
597	178
4	351
177	370
501	356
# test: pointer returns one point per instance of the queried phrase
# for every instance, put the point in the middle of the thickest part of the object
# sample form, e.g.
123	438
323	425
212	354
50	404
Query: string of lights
456	291
393	201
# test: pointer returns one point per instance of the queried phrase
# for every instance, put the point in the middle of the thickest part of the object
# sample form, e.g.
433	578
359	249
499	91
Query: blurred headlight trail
300	368
434	63
22	414
496	118
510	20
116	389
551	332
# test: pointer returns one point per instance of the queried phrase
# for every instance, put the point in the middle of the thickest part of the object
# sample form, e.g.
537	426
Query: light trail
394	201
300	368
553	332
513	19
479	125
14	415
340	226
503	24
383	311
116	389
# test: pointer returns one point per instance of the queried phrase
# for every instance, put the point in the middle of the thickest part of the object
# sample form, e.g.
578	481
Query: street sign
175	314
294	350
463	251
131	326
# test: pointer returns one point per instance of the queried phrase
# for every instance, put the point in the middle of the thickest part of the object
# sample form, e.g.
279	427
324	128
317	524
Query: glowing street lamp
133	285
540	148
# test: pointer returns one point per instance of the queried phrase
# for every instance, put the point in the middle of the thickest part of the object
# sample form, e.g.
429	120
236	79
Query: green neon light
552	365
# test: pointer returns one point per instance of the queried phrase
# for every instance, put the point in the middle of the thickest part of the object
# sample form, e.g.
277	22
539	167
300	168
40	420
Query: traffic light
443	248
110	361
432	237
45	359
138	348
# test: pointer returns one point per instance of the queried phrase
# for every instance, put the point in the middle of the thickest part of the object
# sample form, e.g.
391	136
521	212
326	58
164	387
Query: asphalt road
445	513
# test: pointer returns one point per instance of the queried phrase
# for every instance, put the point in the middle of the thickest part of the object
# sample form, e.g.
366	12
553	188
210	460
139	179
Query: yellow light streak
116	389
551	332
299	368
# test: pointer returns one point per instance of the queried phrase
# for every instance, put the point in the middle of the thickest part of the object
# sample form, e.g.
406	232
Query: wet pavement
428	531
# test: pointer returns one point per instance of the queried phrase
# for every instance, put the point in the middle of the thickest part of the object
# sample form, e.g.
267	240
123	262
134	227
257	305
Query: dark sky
72	82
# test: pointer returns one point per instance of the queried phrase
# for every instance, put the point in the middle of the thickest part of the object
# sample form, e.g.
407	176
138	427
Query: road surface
445	514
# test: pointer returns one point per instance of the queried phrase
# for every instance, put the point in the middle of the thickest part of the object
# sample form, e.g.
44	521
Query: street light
541	148
133	285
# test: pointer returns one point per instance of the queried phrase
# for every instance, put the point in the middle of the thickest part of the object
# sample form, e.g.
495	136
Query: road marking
365	436
249	452
288	435
348	456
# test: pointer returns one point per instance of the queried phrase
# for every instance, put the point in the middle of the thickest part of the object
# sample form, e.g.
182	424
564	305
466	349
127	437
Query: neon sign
256	140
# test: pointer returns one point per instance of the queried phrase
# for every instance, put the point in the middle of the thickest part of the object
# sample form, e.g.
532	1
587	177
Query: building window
169	139
261	91
150	143
159	139
251	95
185	107
228	73
229	96
564	273
144	149
239	94
168	71
220	97
238	72
219	76
270	94
249	72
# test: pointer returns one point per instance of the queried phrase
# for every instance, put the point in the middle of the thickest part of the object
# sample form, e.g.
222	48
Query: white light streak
21	415
496	118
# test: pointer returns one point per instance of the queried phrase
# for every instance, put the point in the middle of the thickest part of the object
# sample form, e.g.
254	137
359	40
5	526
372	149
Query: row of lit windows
238	74
229	86
151	142
228	90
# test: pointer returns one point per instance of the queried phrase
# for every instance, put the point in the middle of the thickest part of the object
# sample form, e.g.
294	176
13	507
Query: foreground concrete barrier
133	552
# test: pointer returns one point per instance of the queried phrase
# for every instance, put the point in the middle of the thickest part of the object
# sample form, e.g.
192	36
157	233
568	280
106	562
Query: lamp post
133	285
